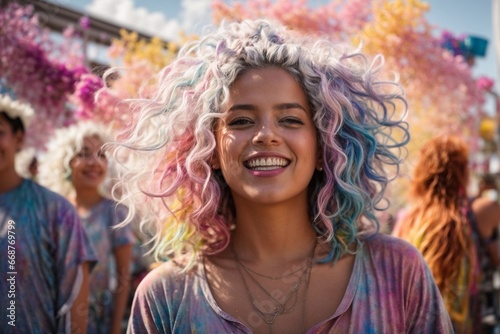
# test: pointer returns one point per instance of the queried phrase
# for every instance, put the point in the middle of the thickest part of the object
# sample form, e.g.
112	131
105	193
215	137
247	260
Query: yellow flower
487	129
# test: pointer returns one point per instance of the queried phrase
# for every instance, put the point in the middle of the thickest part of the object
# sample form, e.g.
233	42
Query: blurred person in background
76	166
488	186
47	255
27	163
454	235
486	209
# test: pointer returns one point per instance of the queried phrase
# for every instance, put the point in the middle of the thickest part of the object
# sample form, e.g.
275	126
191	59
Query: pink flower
84	95
485	83
38	70
85	23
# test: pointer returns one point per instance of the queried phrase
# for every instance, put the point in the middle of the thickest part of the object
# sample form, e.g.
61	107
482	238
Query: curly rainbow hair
359	119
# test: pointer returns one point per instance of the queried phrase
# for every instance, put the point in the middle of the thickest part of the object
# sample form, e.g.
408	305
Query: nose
266	134
94	159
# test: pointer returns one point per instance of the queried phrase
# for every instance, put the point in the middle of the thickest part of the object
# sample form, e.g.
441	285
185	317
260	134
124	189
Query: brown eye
240	121
102	155
291	121
83	154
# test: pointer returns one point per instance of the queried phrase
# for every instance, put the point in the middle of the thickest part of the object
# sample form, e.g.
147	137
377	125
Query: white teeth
267	163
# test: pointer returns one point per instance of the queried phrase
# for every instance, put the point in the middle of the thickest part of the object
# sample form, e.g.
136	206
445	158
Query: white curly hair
15	109
24	159
54	166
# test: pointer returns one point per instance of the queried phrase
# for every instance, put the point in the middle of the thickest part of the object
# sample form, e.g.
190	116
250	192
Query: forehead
270	83
7	125
4	120
92	142
262	75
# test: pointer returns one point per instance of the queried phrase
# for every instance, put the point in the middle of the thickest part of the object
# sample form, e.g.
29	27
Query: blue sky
468	17
170	16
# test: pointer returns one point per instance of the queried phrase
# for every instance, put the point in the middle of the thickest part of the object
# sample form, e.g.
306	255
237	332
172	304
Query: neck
9	180
86	199
273	235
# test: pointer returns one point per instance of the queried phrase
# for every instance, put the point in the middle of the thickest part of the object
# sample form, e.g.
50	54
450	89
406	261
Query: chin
92	183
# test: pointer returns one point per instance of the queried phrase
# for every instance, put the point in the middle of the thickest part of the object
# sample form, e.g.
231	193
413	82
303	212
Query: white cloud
193	16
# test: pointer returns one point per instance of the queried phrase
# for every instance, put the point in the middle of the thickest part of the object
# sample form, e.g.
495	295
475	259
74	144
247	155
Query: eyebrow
281	106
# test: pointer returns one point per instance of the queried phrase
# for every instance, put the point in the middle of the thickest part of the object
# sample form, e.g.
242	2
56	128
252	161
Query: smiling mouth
92	174
269	163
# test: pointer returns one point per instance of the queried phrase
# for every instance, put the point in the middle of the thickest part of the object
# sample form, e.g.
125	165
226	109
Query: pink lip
93	174
267	173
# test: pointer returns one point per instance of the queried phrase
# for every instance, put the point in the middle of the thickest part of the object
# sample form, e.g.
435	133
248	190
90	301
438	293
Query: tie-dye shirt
42	244
391	290
98	224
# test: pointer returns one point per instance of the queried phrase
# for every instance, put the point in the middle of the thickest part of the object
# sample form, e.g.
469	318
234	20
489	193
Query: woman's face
89	166
266	142
10	144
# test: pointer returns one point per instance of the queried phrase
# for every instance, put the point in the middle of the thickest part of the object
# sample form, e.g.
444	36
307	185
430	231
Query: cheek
308	146
224	146
104	165
229	151
309	158
73	165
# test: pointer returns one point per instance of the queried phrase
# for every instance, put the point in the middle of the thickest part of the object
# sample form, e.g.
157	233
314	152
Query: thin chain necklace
285	275
279	307
304	312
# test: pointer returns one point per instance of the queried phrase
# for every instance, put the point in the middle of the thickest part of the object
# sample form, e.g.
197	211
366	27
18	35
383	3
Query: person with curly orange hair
449	231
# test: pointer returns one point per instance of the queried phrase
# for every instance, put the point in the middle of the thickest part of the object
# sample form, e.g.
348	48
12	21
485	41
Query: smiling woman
266	142
259	163
77	146
76	166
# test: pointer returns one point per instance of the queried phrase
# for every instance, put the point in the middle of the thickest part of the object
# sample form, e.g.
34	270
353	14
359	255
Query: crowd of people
70	269
255	174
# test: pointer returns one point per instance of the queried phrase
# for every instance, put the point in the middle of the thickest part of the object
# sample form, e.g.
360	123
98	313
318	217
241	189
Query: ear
72	162
214	161
319	163
19	140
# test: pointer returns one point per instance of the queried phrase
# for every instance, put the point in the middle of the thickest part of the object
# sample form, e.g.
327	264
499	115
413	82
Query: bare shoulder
485	205
487	213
